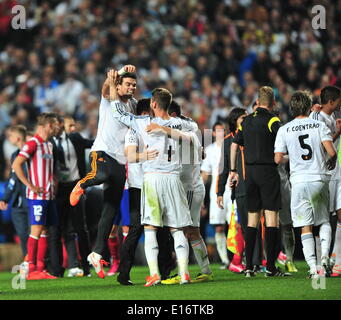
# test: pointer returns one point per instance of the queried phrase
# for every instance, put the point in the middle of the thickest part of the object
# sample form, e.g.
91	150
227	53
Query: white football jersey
211	164
302	140
135	172
111	132
168	160
330	121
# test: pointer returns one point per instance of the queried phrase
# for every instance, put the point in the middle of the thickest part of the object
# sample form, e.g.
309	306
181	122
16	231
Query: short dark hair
162	97
330	93
174	107
60	118
233	117
217	123
300	103
143	105
46	117
127	75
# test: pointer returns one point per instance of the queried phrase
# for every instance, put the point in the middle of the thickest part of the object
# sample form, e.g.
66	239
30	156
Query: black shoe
249	273
124	281
277	272
86	273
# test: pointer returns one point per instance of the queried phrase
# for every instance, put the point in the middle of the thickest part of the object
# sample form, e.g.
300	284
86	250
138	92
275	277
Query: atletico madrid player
37	152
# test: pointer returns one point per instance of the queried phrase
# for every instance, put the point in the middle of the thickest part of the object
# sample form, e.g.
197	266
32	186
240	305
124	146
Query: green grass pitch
226	286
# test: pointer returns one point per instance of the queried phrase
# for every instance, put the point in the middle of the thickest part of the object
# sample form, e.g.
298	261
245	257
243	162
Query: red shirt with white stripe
40	167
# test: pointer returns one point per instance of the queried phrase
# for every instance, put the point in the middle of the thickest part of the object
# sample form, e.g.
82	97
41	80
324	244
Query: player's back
307	156
168	160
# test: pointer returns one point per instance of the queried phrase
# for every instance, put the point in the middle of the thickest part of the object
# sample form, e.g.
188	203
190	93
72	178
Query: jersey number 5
306	147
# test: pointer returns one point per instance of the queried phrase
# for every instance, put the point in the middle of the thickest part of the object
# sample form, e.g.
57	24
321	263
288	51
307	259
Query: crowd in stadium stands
211	54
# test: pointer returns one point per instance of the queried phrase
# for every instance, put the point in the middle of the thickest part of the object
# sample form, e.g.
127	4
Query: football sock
151	249
113	247
32	246
182	251
288	240
201	255
308	244
318	250
41	254
220	239
250	240
325	238
338	243
124	234
271	239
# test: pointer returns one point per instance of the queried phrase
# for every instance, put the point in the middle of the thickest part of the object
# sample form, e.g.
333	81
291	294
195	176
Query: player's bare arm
233	176
204	176
338	130
134	156
172	133
113	77
105	89
17	167
220	202
329	147
281	157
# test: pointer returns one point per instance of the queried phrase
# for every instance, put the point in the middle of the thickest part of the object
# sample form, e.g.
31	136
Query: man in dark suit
69	154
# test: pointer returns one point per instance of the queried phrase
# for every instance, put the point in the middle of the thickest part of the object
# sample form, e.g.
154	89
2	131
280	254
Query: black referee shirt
257	134
224	168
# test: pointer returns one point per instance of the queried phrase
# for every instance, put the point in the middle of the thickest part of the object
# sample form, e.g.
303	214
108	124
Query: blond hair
266	96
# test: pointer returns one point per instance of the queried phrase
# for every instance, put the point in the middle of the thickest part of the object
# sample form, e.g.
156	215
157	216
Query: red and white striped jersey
40	167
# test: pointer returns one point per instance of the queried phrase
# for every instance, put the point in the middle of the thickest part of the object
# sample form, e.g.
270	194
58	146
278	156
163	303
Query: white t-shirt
330	121
302	140
111	132
168	160
135	172
211	164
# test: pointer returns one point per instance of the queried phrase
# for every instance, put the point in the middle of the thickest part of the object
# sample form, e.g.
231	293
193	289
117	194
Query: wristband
121	71
233	170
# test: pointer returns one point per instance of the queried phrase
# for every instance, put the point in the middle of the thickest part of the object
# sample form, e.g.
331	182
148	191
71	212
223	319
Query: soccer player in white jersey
218	216
306	141
191	155
163	197
108	162
330	104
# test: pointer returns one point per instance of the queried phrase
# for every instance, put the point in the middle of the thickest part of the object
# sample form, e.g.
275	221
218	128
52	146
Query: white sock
151	249
325	238
220	239
201	255
182	252
338	243
308	244
318	250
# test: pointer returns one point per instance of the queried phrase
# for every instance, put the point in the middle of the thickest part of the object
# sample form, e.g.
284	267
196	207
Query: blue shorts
123	216
43	212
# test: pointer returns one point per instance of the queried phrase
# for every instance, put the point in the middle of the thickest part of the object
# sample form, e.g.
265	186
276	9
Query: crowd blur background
211	54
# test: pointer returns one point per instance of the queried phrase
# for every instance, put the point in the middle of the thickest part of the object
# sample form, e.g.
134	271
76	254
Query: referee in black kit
257	134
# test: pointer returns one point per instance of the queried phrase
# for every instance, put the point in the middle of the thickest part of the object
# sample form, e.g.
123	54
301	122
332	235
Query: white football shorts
163	201
310	203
